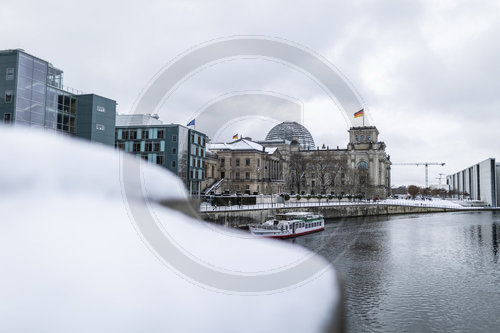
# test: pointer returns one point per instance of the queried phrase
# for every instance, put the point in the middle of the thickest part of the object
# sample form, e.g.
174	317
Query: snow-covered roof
88	247
241	144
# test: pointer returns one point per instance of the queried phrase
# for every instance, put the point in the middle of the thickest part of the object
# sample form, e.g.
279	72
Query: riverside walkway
434	203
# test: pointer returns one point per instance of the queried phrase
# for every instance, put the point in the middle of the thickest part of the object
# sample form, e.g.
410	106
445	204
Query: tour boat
289	225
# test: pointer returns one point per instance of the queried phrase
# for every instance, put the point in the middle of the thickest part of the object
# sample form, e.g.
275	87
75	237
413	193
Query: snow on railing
435	203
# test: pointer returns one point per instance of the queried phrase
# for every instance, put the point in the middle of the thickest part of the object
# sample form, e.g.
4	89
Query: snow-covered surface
73	260
435	203
241	144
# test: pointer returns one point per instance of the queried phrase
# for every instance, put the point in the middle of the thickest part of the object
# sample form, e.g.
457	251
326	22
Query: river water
416	273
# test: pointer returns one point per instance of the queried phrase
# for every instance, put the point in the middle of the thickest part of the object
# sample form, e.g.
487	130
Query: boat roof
297	214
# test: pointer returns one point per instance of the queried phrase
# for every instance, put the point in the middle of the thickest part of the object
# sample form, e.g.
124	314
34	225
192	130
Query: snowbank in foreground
73	260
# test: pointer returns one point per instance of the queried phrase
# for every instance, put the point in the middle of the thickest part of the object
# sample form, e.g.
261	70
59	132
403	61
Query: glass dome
292	130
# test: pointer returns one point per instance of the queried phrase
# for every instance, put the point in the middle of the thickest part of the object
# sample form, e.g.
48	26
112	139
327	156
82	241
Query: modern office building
175	147
478	182
33	94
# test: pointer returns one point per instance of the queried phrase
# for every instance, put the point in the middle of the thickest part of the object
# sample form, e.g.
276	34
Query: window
174	150
159	160
136	147
121	145
101	108
247	162
144	157
125	135
356	138
258	162
362	165
174	138
222	163
199	140
222	174
368	138
8	96
192	138
9	73
247	175
362	138
161	134
133	134
145	134
237	162
100	127
173	164
148	146
7	118
237	175
157	146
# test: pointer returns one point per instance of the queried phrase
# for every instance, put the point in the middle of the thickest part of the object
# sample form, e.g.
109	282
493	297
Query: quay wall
244	217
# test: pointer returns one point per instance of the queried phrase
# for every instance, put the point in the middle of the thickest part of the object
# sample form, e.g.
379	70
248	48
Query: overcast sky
428	71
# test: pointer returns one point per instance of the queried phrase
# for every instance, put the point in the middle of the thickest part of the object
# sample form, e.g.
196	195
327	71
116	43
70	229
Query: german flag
235	137
360	113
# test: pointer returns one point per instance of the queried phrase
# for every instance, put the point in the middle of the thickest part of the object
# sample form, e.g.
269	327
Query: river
416	273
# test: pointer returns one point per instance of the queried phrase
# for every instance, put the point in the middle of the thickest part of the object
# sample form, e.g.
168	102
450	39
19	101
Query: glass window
9	96
174	150
9	73
237	162
362	165
247	175
362	138
174	138
161	134
136	147
159	159
222	162
173	164
356	138
99	127
247	162
7	118
101	108
237	175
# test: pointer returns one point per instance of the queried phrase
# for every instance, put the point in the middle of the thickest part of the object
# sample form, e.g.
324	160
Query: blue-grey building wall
182	150
96	118
8	60
39	99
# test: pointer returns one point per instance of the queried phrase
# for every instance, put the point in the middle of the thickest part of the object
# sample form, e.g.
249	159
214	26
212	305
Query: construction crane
440	178
426	164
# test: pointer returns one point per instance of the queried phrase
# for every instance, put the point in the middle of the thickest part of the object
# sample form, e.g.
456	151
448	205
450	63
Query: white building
481	181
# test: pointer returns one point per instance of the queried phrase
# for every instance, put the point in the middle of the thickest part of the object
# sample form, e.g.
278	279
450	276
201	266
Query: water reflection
494	240
432	272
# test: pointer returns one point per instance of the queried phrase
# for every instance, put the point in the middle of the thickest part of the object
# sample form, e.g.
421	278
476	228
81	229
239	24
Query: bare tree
325	168
413	190
297	168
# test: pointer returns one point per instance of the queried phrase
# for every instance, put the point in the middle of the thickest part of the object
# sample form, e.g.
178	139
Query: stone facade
244	166
363	168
